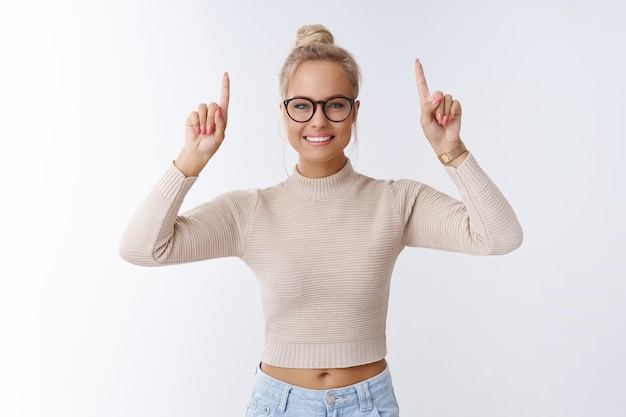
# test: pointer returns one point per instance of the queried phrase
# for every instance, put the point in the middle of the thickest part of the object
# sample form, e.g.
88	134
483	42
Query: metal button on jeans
331	399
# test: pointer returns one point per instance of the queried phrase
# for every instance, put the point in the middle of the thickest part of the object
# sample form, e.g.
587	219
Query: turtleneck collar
322	187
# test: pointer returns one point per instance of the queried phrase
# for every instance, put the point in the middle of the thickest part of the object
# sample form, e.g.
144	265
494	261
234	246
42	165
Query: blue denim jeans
371	398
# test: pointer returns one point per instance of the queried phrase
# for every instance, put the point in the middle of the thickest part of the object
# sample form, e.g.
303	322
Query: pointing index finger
422	87
225	95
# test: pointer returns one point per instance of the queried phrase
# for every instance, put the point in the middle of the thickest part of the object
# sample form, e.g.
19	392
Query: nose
319	118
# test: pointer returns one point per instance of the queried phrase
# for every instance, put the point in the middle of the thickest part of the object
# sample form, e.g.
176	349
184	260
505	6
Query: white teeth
317	138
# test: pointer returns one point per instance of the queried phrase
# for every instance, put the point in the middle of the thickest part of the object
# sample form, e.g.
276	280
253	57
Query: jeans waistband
361	393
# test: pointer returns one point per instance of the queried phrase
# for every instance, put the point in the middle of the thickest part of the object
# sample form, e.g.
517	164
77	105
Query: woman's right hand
205	130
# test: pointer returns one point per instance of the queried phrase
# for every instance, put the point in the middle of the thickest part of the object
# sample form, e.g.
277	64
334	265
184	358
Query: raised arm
157	234
483	222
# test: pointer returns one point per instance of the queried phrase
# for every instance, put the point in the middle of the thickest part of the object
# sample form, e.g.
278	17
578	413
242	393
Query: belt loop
282	405
365	399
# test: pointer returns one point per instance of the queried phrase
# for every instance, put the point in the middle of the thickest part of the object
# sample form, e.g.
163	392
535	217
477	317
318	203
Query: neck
312	169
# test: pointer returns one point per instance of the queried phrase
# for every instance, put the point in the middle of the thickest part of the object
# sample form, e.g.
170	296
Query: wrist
454	155
189	164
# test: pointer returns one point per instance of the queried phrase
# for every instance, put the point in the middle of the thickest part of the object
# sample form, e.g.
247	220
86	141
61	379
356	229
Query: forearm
492	226
152	226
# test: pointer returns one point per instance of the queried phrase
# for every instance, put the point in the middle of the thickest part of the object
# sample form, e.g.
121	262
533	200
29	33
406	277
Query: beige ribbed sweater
323	249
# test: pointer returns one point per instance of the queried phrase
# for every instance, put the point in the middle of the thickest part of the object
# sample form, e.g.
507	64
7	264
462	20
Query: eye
338	104
300	105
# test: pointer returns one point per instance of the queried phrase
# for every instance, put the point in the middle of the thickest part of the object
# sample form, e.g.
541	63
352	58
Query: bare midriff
322	379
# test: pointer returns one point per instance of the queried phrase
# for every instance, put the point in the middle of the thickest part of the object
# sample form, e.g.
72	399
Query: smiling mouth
318	139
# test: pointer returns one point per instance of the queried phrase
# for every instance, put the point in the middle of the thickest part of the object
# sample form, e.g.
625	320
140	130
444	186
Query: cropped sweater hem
325	355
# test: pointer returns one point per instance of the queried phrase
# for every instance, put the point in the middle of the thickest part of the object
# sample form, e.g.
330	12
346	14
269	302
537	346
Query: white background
93	99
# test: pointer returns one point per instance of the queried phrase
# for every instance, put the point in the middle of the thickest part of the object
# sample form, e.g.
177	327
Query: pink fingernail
219	112
197	129
445	120
210	129
436	101
439	119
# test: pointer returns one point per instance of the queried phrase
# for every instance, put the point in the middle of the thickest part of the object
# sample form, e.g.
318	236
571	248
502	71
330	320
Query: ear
355	110
283	111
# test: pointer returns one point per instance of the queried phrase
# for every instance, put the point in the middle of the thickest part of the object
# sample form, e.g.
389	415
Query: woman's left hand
441	115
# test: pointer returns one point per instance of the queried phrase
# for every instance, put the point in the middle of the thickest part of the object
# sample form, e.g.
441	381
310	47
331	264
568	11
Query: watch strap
447	157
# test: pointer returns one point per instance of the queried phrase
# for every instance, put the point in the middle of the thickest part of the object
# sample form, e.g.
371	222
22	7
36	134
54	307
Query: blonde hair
316	43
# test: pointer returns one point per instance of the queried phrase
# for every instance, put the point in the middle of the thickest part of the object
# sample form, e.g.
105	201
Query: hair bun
313	34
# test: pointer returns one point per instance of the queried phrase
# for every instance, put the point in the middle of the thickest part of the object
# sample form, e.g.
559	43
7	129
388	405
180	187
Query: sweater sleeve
483	223
158	235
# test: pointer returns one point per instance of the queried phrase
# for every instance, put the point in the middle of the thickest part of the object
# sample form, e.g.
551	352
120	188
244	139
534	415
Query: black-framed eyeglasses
336	109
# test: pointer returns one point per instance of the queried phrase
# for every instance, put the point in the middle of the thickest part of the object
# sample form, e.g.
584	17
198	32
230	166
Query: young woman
322	243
